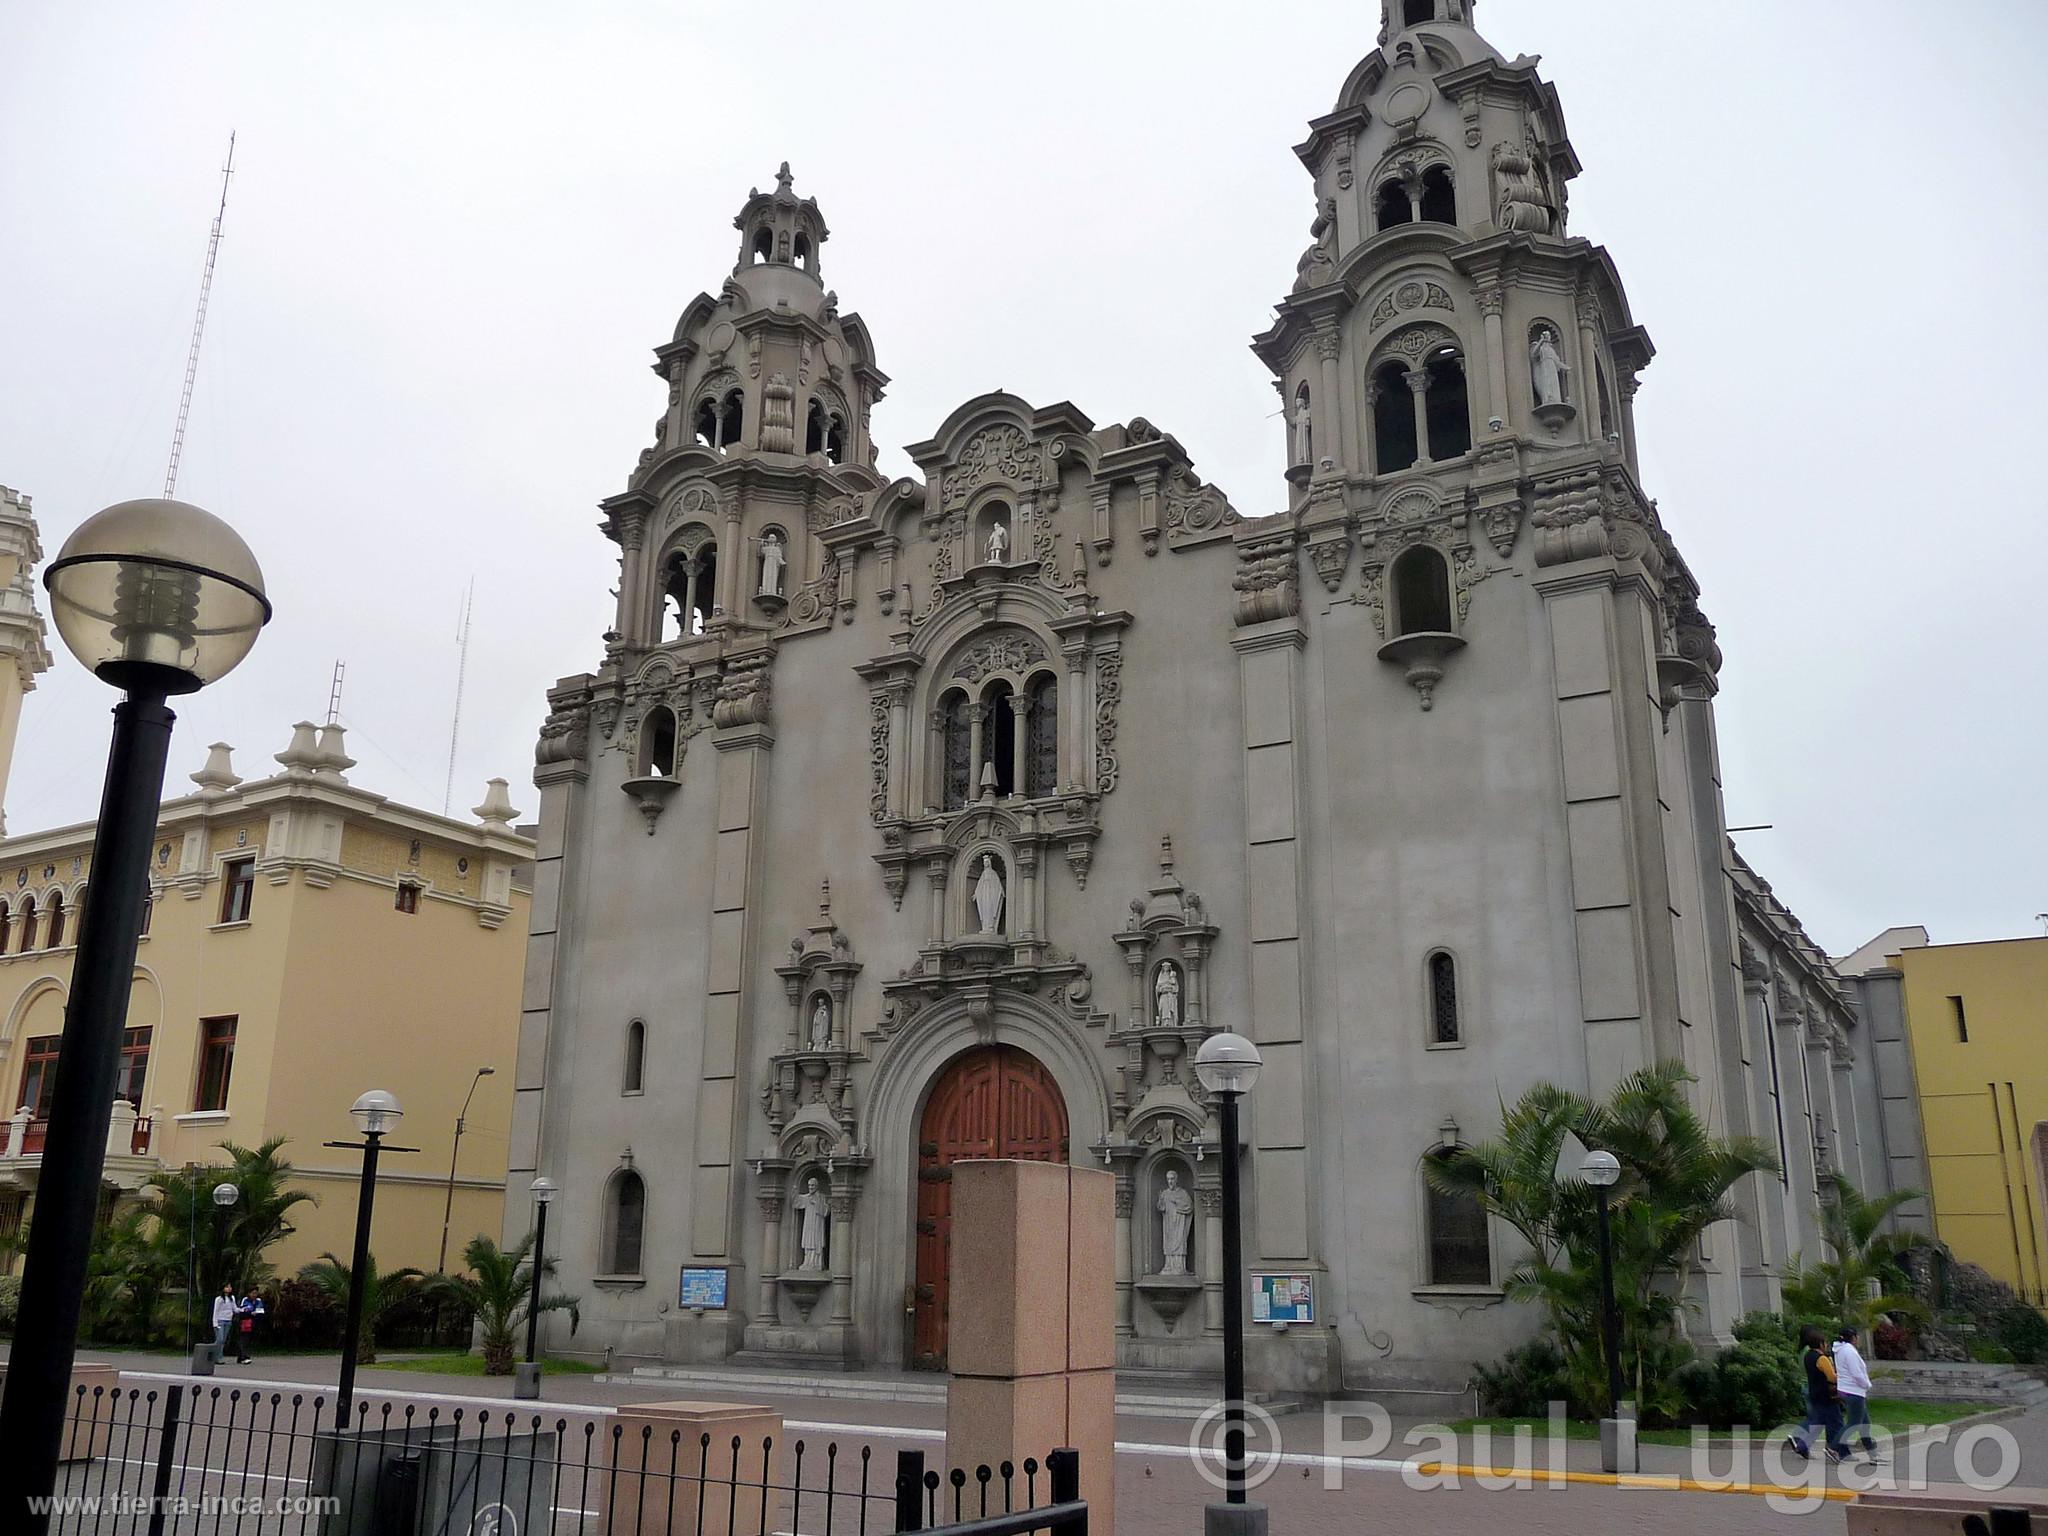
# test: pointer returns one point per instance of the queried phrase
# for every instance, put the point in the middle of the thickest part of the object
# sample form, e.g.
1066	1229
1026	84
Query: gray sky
455	231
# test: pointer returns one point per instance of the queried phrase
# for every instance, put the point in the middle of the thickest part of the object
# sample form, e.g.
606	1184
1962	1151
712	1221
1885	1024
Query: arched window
732	418
1439	197
658	742
999	737
1449	414
6	925
1394	445
1415	12
28	924
764	244
636	1057
53	937
956	751
692	591
1042	743
1392	206
625	1223
802	251
1606	407
1443	1000
1422	592
1459	1253
815	428
705	423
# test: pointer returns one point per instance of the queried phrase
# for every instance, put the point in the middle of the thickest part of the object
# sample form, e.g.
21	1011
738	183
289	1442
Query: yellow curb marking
1645	1480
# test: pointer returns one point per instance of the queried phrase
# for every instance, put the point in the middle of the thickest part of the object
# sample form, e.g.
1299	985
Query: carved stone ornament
565	734
1109	692
1013	651
743	694
1267	582
1329	556
1192	507
878	757
1502	522
993	453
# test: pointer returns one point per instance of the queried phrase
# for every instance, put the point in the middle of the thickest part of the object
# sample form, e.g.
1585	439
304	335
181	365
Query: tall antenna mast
334	693
461	671
198	327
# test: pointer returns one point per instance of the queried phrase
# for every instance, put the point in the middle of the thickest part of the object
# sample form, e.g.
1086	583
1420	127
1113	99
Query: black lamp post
1228	1065
375	1113
448	1206
543	1197
158	598
1602	1170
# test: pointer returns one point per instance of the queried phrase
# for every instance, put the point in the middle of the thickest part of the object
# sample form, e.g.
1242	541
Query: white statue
773	560
998	543
1547	369
1303	431
821	1026
1176	1220
988	895
813	1207
1166	998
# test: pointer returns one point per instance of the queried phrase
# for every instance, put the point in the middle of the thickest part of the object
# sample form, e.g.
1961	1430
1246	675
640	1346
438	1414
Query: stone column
899	750
1417	381
935	762
1588	378
936	875
1024	915
1073	719
1129	1261
845	1200
1803	1193
732	555
770	1197
1332	441
17	1129
1491	301
1020	711
1210	1197
634	607
1765	1118
977	718
642	1499
121	1130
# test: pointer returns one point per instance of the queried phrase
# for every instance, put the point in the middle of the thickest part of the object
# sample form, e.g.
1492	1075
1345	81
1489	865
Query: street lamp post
1228	1066
1617	1444
448	1206
526	1381
157	598
375	1113
224	1197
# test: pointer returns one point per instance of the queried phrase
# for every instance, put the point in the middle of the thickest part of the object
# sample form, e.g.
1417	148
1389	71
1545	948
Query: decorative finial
218	776
496	811
825	901
1166	854
783	178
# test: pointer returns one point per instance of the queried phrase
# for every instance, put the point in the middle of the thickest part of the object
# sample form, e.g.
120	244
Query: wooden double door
993	1102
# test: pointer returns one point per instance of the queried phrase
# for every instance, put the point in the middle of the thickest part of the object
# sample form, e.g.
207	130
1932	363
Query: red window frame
216	1062
39	1074
237	890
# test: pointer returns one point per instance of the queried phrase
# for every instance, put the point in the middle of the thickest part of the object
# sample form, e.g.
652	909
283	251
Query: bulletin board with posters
1283	1297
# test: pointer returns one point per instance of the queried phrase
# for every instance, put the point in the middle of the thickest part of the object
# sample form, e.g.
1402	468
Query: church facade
910	820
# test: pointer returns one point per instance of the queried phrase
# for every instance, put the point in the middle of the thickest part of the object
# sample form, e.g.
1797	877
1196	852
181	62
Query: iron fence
219	1459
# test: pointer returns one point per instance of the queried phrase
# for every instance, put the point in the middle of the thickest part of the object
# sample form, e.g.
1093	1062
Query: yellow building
1977	1015
305	941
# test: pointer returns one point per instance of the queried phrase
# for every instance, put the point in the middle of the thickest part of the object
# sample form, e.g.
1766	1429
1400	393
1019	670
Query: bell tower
23	653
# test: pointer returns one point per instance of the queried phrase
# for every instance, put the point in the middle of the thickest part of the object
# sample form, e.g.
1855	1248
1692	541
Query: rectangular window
39	1075
408	897
238	890
216	1062
134	1066
1962	1021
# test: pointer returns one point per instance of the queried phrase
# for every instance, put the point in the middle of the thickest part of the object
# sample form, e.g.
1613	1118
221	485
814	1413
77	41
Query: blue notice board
1283	1298
704	1288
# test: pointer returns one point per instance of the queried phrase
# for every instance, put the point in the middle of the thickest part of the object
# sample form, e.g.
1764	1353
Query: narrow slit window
1962	1021
1443	1000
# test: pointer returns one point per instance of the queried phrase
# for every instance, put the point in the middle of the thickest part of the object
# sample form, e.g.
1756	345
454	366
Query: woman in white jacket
1852	1384
225	1310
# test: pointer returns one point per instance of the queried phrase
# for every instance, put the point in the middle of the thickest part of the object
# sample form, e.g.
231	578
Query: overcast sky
455	232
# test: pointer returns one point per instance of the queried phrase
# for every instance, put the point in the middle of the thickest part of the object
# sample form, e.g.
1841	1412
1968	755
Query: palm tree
1675	1183
229	1249
1857	1284
381	1292
498	1291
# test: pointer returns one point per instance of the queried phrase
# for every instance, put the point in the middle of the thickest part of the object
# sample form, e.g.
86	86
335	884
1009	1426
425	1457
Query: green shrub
2024	1334
1989	1352
1525	1381
10	1301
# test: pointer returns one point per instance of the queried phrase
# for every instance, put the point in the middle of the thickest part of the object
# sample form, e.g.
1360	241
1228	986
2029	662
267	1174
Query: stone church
904	821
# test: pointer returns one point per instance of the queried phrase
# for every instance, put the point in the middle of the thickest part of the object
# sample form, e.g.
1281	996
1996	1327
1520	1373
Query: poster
1283	1298
704	1288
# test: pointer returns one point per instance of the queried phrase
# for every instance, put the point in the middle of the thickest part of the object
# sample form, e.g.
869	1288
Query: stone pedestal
525	1379
1618	1446
1034	1246
657	1438
88	1409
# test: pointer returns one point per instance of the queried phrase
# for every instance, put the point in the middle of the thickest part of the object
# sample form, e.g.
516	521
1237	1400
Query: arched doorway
993	1102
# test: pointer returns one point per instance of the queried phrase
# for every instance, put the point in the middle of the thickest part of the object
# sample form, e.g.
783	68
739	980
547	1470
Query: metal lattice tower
198	327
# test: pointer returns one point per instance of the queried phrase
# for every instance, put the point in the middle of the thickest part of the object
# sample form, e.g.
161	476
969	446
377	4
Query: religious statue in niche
1304	430
1547	370
1176	1209
821	1026
998	543
1166	997
988	895
774	559
814	1210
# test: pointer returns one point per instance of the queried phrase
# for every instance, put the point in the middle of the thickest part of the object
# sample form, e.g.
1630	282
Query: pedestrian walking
225	1312
1823	1411
245	1326
1852	1382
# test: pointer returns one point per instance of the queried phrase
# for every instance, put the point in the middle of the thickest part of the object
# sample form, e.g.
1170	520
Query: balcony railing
35	1131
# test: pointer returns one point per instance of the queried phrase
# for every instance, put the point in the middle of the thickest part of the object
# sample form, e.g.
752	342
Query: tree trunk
498	1357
